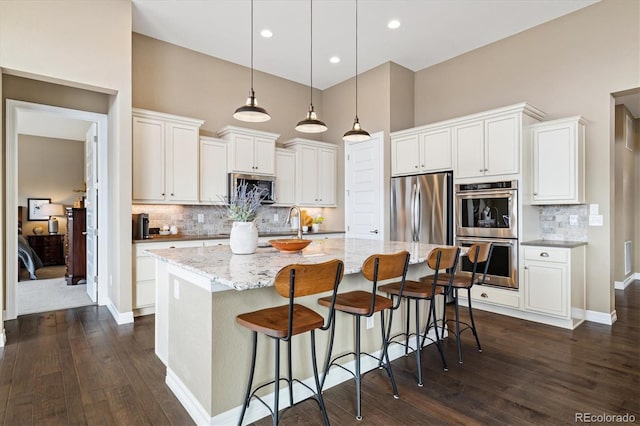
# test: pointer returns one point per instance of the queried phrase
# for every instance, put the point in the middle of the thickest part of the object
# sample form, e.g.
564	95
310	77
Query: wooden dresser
75	245
49	248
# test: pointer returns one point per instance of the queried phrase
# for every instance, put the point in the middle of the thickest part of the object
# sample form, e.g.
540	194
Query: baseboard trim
3	339
601	317
119	317
621	285
256	410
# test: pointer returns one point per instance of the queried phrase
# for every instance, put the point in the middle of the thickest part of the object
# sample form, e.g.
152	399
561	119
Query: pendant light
311	124
251	111
357	133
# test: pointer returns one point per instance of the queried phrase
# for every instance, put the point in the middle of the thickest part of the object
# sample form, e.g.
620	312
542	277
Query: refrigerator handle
418	211
411	210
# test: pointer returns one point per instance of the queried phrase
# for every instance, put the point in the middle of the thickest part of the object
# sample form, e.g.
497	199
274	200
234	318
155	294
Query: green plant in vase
242	209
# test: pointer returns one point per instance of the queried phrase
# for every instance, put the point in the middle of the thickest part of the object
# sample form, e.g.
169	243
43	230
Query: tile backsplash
554	222
185	218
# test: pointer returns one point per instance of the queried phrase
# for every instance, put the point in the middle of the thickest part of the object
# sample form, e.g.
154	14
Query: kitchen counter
182	237
200	291
554	243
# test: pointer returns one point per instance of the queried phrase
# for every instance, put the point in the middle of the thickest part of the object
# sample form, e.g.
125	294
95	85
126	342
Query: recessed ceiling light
393	24
334	59
266	33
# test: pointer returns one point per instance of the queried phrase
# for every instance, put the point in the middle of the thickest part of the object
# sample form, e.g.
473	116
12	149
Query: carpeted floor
50	294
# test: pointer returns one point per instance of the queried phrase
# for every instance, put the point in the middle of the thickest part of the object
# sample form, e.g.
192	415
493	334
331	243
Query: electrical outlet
573	220
370	322
200	218
276	217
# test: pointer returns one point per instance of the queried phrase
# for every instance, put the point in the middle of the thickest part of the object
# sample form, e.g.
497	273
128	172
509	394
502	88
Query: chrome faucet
299	220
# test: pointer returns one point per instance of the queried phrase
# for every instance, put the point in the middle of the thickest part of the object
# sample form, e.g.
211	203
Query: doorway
24	117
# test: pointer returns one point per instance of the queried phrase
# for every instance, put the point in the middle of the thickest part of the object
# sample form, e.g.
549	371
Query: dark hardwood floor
78	367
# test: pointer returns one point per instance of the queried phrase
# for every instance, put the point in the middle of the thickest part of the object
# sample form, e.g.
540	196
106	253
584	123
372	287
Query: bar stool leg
290	373
253	369
432	312
457	306
418	351
358	377
406	328
314	362
385	354
473	324
276	403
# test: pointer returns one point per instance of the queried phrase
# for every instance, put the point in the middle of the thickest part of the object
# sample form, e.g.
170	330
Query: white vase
244	238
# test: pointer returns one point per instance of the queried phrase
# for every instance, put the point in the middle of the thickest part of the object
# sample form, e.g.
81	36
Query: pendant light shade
357	133
250	111
311	124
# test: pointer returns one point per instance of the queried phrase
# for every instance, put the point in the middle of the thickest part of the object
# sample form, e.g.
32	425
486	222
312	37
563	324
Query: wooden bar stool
375	268
282	322
477	254
440	258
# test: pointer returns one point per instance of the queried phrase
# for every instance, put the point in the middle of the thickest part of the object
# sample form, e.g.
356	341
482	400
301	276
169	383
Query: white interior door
364	186
91	205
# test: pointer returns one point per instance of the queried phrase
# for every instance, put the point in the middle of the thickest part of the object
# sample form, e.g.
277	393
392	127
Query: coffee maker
140	226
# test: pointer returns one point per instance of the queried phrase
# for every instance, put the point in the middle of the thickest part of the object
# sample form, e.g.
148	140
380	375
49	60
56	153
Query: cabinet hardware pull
544	254
484	295
416	166
486	170
481	170
421	165
526	267
375	231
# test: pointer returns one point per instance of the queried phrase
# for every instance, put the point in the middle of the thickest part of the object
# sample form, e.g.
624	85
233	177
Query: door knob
375	231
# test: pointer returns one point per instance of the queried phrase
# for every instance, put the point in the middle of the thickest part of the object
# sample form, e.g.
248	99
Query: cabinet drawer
496	296
145	268
545	254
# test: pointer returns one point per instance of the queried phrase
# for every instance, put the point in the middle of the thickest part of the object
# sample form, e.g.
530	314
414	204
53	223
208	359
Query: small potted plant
242	209
315	226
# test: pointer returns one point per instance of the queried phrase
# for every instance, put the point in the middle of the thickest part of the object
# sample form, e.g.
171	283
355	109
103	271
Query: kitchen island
201	290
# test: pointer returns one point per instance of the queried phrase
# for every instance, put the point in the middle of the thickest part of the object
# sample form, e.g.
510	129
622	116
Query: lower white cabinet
554	282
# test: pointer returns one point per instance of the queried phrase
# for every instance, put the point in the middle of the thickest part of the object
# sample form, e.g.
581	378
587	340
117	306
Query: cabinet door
213	171
404	155
554	164
469	150
182	163
285	177
502	145
326	177
242	154
435	151
264	156
307	189
546	288
148	160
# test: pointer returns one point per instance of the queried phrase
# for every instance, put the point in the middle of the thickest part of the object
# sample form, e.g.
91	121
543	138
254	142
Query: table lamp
52	210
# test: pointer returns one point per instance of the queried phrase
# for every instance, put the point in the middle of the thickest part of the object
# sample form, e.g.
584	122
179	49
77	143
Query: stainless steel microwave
266	183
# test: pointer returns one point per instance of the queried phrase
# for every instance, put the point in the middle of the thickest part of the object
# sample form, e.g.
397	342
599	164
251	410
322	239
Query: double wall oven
488	212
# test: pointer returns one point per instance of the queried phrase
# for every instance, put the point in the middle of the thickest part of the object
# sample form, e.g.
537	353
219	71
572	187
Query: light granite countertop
554	243
182	237
244	272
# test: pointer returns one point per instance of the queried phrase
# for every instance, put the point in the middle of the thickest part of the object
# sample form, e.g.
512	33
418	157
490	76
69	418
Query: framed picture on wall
34	208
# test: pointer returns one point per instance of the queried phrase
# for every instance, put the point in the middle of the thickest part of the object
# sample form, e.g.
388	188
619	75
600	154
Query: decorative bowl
289	244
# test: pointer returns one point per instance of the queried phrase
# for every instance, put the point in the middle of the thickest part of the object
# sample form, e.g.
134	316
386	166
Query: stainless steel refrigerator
422	208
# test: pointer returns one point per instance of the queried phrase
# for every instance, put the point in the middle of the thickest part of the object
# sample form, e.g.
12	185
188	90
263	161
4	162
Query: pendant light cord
356	59
311	55
251	47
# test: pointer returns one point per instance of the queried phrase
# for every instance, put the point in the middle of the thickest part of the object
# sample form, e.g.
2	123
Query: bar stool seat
281	323
440	258
377	267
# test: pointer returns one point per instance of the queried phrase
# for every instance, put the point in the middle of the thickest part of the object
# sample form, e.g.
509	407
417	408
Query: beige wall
565	67
84	44
49	168
636	261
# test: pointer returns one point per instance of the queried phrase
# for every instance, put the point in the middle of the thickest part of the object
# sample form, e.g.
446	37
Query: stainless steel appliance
140	226
422	208
488	212
503	267
266	183
487	209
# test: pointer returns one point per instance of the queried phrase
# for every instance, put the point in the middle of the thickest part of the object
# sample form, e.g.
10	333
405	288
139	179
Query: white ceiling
431	31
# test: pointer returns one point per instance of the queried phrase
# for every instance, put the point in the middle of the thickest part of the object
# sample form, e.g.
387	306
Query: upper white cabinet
558	161
316	166
165	157
421	150
488	147
285	176
250	151
213	170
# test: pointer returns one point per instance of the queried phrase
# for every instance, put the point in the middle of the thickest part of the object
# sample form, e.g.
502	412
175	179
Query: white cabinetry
316	164
165	158
213	170
421	150
285	176
554	283
250	151
558	161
